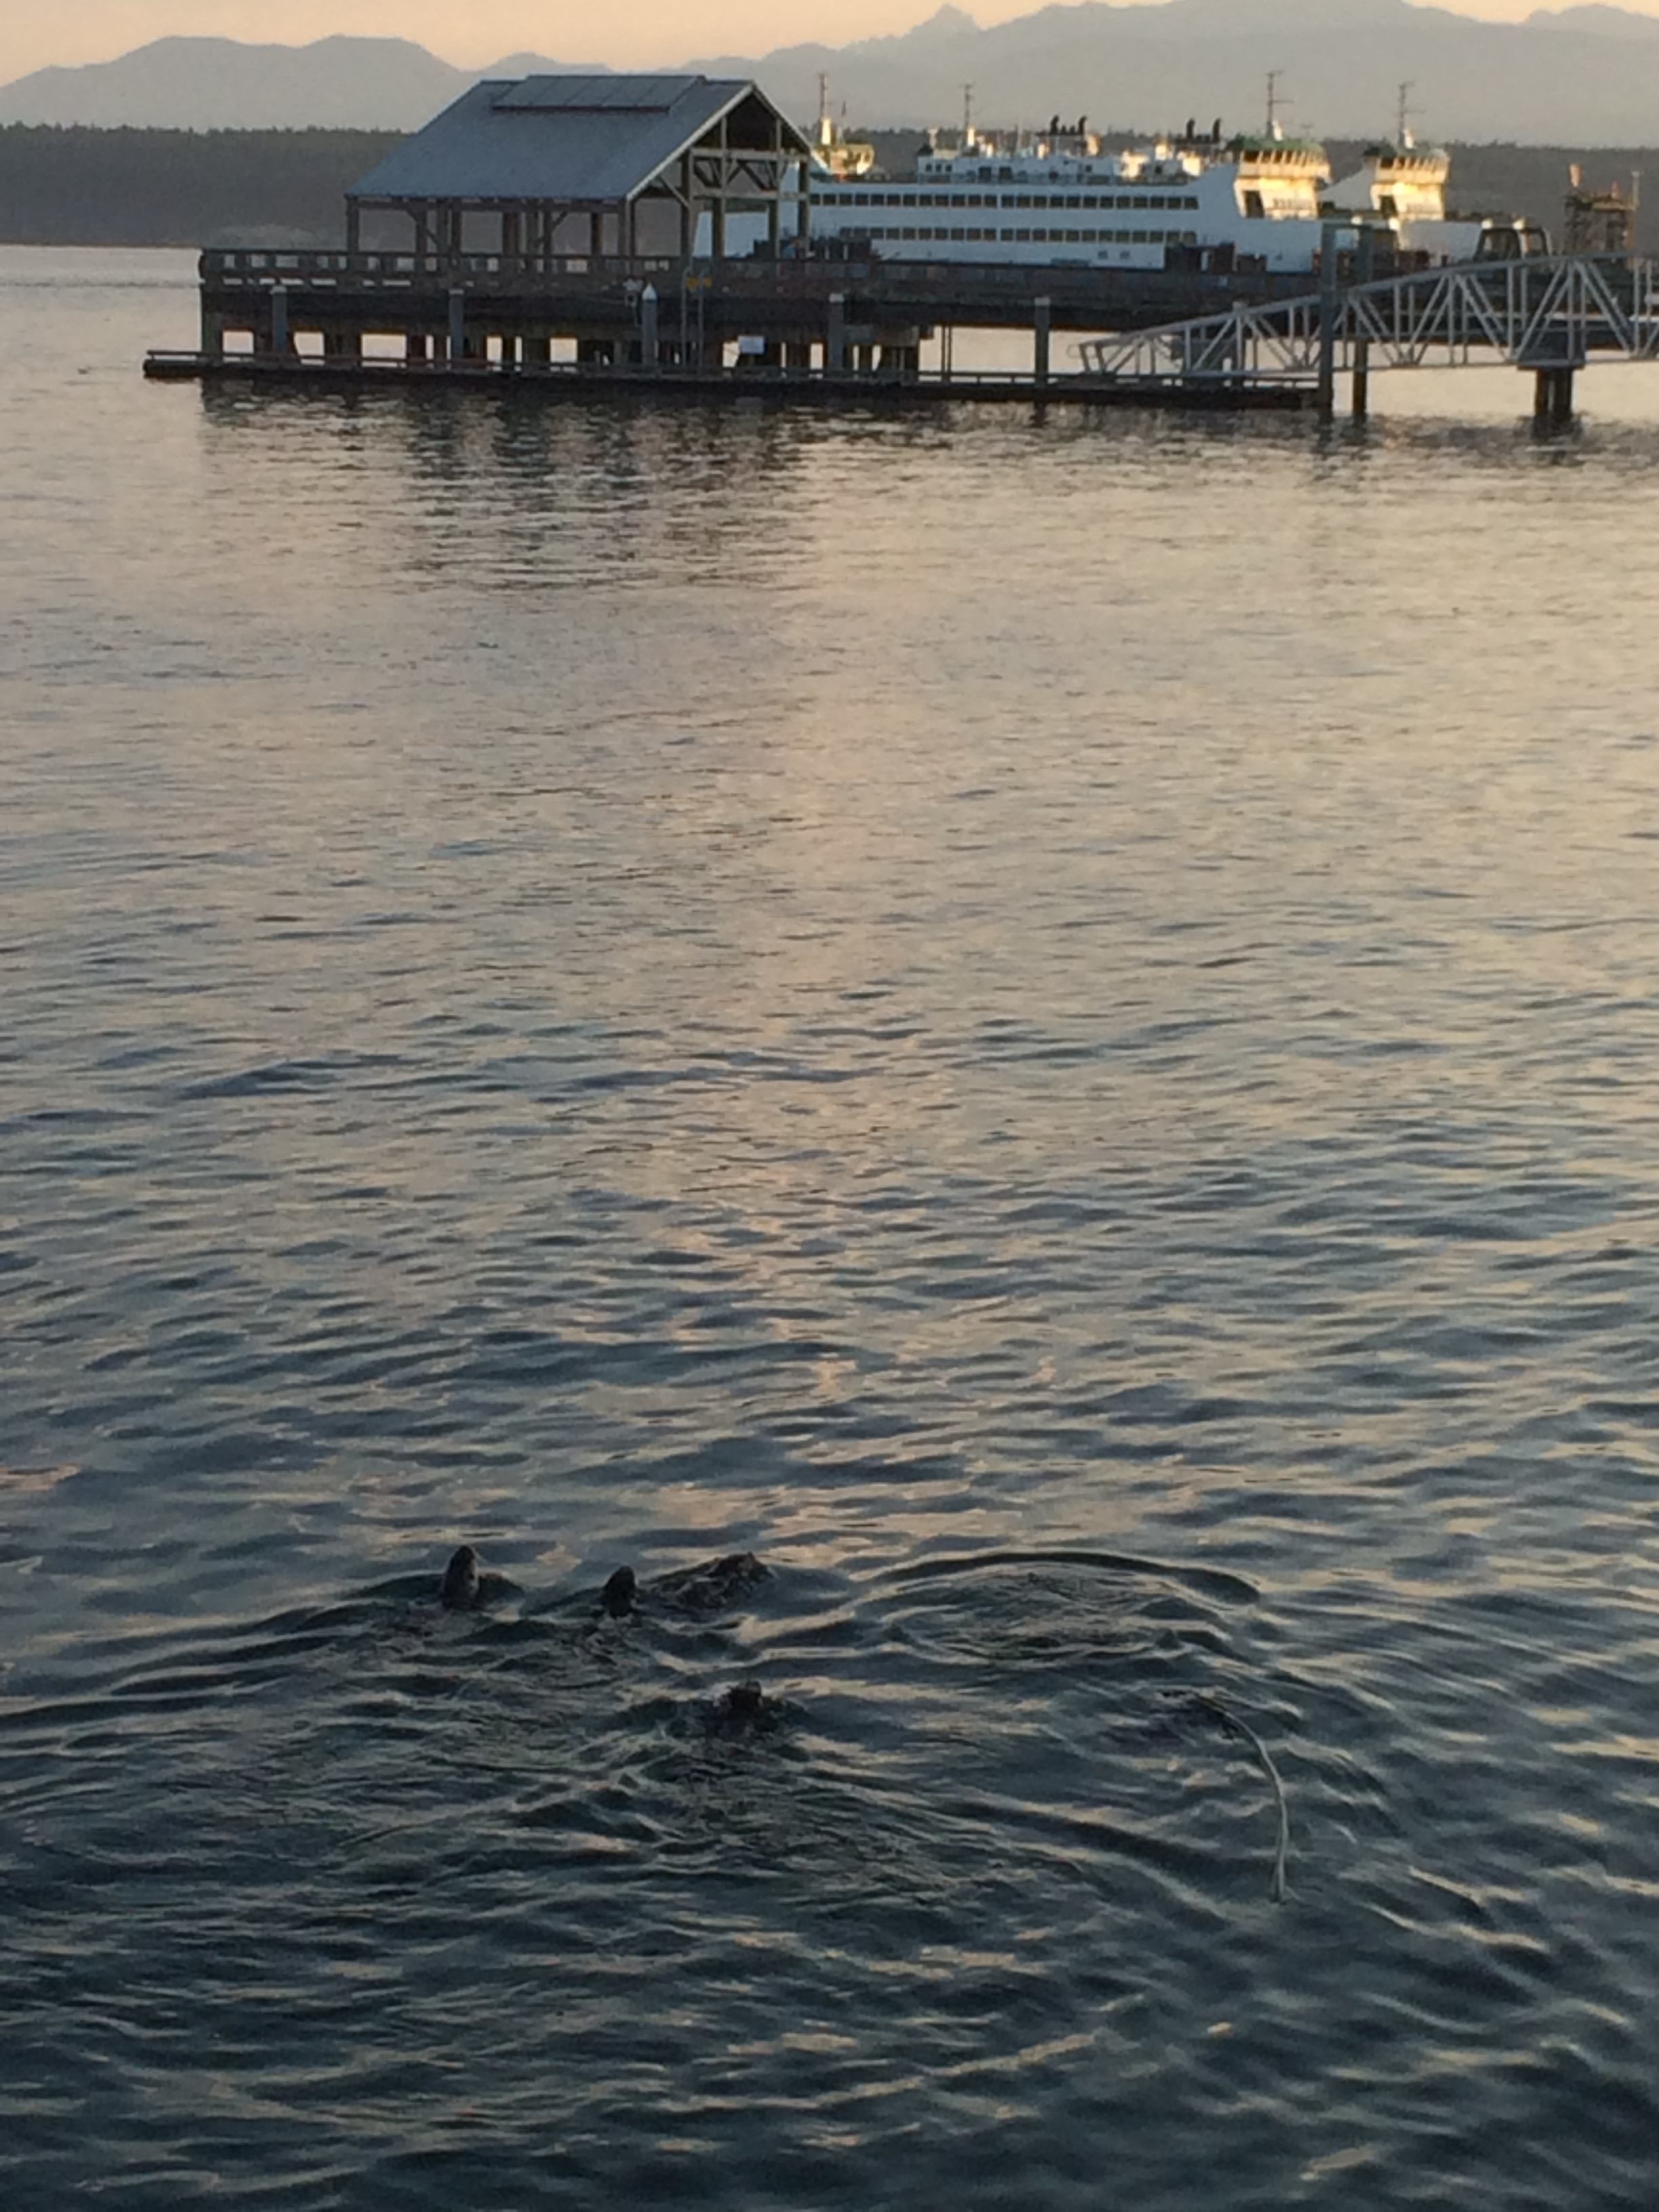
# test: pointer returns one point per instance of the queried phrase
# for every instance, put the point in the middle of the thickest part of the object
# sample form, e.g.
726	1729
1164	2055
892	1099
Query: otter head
459	1587
619	1593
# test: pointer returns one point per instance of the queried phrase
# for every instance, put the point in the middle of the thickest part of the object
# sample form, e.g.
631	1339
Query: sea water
1049	1023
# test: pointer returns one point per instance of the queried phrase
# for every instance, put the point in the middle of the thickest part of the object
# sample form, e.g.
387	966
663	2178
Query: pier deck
799	387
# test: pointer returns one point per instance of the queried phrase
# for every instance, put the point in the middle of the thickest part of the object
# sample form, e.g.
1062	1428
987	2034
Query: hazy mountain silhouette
1588	73
206	84
1591	74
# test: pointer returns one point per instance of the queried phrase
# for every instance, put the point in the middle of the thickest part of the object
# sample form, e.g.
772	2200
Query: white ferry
1402	188
1253	202
1063	198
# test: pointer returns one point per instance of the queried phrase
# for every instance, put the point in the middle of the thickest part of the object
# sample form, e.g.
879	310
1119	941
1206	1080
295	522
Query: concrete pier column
1043	313
649	347
1552	396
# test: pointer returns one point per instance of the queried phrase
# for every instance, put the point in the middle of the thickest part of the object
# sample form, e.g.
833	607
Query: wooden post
280	341
457	325
1042	323
648	327
724	160
1327	313
1365	269
834	340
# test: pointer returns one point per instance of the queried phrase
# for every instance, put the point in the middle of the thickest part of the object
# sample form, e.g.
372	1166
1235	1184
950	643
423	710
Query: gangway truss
1550	313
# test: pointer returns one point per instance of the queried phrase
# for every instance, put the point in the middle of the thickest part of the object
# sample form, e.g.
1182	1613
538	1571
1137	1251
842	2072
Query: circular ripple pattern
1049	1023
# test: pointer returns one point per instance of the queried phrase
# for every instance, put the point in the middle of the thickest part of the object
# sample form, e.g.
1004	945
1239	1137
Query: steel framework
1546	312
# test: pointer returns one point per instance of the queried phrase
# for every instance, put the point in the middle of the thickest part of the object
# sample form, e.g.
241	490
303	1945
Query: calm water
1054	1026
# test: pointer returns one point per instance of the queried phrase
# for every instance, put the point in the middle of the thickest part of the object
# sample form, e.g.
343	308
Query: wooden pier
808	386
808	330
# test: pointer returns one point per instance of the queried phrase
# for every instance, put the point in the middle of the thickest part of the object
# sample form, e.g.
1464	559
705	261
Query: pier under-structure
653	317
1548	315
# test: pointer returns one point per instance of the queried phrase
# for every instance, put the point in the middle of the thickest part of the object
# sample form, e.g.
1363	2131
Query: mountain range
1589	74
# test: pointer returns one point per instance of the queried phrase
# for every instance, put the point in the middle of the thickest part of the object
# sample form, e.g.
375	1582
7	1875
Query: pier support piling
457	325
1551	401
1042	315
280	341
834	341
1328	316
649	345
1364	270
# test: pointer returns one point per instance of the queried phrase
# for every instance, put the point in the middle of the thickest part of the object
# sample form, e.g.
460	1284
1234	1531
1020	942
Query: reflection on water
1048	1023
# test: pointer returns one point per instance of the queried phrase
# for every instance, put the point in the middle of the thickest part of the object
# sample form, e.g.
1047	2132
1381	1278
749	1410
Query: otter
745	1710
459	1591
619	1593
714	1587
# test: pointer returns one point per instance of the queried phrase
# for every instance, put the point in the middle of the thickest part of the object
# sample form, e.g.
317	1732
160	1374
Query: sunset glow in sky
626	33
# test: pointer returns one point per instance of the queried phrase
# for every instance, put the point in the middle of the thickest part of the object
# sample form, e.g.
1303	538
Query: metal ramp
1550	314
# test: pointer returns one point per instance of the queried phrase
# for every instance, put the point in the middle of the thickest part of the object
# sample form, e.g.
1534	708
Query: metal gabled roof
574	138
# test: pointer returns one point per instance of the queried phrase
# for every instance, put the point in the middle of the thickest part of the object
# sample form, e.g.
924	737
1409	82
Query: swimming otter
459	1590
619	1593
715	1585
745	1710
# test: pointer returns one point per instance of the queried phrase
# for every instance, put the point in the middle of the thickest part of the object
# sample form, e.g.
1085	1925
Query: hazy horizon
640	33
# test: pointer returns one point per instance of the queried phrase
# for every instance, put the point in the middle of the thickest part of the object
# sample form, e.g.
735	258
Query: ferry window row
1108	200
971	237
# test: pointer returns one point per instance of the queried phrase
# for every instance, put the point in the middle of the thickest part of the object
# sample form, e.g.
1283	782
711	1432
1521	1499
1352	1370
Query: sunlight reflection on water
635	986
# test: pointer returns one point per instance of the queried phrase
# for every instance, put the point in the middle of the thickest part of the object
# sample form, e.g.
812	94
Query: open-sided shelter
630	163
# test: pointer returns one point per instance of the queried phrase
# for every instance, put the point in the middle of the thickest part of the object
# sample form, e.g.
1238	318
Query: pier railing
230	271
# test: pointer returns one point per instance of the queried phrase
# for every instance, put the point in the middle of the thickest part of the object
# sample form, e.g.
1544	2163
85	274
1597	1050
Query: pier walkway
1550	315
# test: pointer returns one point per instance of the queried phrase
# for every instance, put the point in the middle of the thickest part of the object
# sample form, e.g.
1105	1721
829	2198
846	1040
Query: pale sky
625	32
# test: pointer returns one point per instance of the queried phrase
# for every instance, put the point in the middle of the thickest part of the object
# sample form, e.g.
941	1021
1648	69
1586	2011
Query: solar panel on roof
638	95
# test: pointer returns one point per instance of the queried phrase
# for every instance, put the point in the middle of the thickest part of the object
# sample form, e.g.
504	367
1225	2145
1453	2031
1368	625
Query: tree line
125	187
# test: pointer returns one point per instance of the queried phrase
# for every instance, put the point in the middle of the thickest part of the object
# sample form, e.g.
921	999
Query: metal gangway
1550	314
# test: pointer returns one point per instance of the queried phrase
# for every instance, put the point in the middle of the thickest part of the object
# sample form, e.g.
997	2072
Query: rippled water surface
1050	1025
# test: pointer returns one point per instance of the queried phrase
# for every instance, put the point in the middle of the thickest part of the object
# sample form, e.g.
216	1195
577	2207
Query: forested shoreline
74	186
